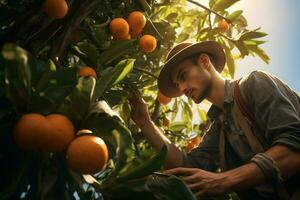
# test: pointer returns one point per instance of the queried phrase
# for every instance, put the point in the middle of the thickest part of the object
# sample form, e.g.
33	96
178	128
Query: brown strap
241	121
241	103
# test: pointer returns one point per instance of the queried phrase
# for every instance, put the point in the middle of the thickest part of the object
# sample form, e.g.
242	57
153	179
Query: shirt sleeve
276	108
206	155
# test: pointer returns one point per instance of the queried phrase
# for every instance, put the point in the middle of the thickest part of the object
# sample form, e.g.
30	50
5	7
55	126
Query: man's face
192	80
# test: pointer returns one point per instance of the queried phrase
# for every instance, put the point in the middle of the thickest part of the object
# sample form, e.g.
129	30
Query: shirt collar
215	111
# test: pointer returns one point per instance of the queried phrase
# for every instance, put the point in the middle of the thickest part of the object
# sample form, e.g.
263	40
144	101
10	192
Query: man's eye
183	76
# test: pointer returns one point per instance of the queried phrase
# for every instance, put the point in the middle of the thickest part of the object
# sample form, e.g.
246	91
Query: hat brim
165	82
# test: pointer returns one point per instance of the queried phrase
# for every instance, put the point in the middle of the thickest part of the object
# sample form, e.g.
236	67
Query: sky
280	19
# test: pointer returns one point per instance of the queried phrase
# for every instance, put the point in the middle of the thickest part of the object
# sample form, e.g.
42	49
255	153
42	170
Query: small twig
208	9
145	71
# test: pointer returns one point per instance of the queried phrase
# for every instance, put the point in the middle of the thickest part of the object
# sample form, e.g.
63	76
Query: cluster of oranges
122	29
86	153
56	9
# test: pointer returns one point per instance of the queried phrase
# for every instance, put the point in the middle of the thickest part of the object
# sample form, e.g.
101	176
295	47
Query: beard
205	93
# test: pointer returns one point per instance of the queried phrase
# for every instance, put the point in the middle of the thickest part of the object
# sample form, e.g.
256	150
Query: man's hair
194	58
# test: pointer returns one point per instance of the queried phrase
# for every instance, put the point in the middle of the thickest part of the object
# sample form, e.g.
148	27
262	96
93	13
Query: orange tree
67	68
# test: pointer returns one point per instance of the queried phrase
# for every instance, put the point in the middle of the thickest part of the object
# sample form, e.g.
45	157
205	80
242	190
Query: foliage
39	60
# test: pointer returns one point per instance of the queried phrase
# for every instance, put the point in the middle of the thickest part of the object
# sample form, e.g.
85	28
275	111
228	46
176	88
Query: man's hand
203	183
139	109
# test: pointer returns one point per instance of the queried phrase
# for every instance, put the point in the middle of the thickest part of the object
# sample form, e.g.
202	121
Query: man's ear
204	61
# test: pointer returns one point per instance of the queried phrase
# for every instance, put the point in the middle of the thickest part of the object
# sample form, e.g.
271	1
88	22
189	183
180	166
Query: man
271	172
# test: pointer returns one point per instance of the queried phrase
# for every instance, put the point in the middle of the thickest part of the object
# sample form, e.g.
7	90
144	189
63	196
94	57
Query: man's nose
182	88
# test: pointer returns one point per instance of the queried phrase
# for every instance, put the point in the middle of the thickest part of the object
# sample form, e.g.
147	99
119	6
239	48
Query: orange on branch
119	28
87	71
87	154
223	24
56	9
62	132
31	131
163	99
148	43
137	22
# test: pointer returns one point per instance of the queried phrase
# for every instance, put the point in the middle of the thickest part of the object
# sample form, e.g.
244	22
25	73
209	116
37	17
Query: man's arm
140	115
251	175
206	184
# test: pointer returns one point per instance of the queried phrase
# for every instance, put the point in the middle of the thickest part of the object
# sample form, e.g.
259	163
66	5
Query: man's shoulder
256	80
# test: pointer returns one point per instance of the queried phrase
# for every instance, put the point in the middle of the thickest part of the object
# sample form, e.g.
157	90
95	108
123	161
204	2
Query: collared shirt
276	109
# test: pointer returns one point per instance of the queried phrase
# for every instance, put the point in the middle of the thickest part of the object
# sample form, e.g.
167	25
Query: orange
148	43
137	22
56	9
119	28
62	133
193	143
87	154
166	121
223	24
31	131
163	99
87	71
127	37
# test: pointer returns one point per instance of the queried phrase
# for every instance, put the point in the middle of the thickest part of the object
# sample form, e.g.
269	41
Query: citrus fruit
87	154
119	28
137	22
62	133
223	24
163	99
56	9
148	43
87	71
31	131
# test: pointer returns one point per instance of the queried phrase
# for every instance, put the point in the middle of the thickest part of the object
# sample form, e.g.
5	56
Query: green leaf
104	122
252	34
230	62
172	188
242	48
77	104
233	16
60	85
182	37
116	49
261	53
89	51
112	76
177	126
187	113
17	75
174	110
171	17
223	4
146	165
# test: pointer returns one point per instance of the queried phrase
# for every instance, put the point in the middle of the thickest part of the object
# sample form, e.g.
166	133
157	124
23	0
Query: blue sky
280	19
